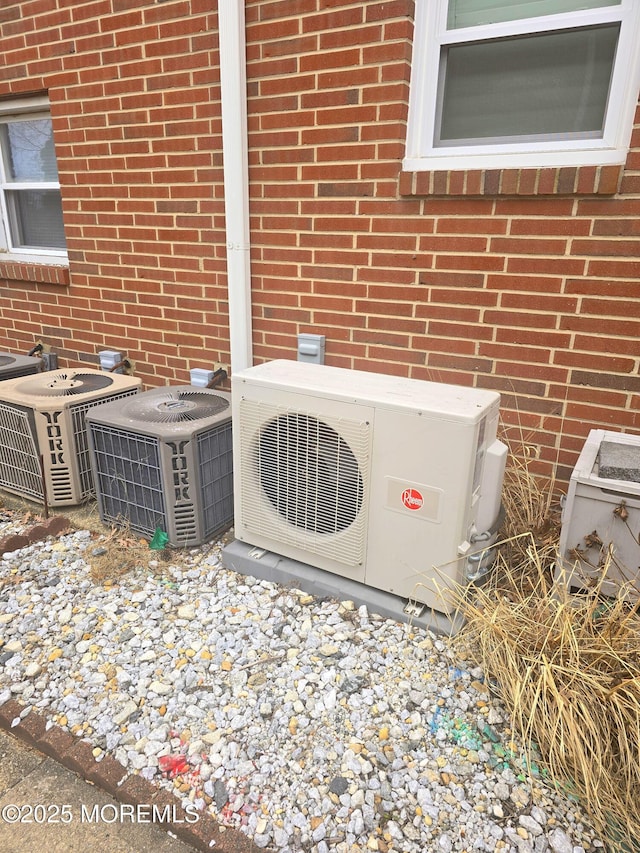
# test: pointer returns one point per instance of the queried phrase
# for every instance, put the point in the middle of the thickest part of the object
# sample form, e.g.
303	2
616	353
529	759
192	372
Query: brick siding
523	281
134	99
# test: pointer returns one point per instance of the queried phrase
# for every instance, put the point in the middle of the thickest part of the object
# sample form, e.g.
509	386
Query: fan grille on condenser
309	473
66	384
176	407
6	359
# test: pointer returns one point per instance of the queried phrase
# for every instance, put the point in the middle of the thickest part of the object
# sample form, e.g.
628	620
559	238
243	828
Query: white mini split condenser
43	438
391	482
164	459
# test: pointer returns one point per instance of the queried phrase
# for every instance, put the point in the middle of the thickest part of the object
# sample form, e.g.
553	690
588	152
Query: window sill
564	180
37	273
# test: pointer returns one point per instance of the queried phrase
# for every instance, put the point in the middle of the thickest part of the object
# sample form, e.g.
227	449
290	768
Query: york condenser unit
394	483
600	534
12	365
43	439
164	459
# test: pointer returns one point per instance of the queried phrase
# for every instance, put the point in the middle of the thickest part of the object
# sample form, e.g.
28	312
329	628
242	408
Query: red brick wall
526	282
134	98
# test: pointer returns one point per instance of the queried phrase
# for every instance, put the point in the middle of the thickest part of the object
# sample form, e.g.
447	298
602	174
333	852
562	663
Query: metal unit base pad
249	560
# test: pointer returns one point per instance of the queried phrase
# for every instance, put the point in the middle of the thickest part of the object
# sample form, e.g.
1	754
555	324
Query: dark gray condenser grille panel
128	479
81	439
215	458
174	473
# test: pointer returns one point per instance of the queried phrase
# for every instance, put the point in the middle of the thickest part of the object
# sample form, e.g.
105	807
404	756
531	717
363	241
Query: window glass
501	84
30	153
30	199
36	219
527	88
473	13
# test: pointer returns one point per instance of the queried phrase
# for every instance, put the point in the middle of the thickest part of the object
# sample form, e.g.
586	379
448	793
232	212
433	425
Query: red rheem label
412	499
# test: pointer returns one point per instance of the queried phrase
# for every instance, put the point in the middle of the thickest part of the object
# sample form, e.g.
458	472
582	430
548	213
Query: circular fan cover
309	473
6	359
175	407
65	383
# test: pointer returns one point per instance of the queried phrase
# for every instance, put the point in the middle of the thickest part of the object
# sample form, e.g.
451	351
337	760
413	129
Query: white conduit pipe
233	88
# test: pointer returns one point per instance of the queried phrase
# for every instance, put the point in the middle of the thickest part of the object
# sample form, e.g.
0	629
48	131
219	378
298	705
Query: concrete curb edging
110	776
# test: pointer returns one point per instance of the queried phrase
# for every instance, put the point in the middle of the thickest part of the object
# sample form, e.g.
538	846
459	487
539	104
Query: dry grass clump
122	553
567	666
531	517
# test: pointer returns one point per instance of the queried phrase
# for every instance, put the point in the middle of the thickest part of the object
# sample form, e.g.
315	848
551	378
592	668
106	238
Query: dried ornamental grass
566	666
530	513
568	669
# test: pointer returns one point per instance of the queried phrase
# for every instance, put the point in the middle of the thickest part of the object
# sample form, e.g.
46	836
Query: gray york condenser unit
43	437
164	459
12	365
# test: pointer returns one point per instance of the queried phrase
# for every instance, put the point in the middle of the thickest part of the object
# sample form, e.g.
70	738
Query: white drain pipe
233	88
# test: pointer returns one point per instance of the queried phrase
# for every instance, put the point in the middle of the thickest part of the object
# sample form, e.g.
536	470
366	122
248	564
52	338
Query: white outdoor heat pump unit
164	460
393	483
44	451
12	366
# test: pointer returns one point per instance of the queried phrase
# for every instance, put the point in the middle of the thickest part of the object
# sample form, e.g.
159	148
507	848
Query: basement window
522	83
32	229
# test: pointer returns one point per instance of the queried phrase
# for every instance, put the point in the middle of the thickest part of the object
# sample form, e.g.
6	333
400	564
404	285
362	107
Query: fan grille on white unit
306	476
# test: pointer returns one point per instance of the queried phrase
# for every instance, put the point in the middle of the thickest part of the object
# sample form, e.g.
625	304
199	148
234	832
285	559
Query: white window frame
31	108
431	35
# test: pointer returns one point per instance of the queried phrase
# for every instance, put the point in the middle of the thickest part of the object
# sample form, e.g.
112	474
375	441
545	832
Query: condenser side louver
165	461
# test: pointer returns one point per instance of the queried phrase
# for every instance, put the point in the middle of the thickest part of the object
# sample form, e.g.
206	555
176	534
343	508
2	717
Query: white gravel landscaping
310	725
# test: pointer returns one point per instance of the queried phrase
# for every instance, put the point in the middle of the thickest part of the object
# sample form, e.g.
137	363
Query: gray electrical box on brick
311	348
49	361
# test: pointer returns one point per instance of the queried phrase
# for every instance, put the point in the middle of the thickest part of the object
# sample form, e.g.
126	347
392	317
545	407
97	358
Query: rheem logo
412	499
